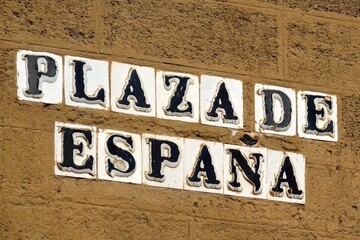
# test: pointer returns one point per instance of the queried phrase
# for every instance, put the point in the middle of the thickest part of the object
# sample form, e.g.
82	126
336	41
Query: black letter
270	123
289	181
35	74
162	151
80	79
204	159
313	115
178	106
222	103
237	159
133	90
119	155
69	148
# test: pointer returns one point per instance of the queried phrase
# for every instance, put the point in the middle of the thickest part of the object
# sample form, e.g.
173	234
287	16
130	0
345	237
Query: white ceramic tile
192	150
274	165
164	94
330	115
172	171
80	158
50	82
120	74
278	111
96	77
209	89
247	188
127	142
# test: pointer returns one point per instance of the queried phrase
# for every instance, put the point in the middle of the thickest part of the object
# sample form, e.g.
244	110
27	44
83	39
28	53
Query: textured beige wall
306	45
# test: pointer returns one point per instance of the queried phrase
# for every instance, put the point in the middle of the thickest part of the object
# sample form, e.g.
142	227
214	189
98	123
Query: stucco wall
304	45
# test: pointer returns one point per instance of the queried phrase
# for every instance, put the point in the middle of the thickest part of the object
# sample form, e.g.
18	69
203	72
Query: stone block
193	33
323	53
66	23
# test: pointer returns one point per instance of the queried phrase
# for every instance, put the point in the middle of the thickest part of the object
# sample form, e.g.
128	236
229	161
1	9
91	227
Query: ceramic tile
39	77
275	119
75	150
203	166
321	110
289	167
119	156
256	158
177	96
162	158
86	83
221	102
133	89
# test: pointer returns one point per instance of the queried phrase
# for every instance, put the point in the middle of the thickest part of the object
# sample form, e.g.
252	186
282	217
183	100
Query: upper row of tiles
144	91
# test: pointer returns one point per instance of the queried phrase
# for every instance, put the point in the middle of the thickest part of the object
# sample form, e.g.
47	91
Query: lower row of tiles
182	163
